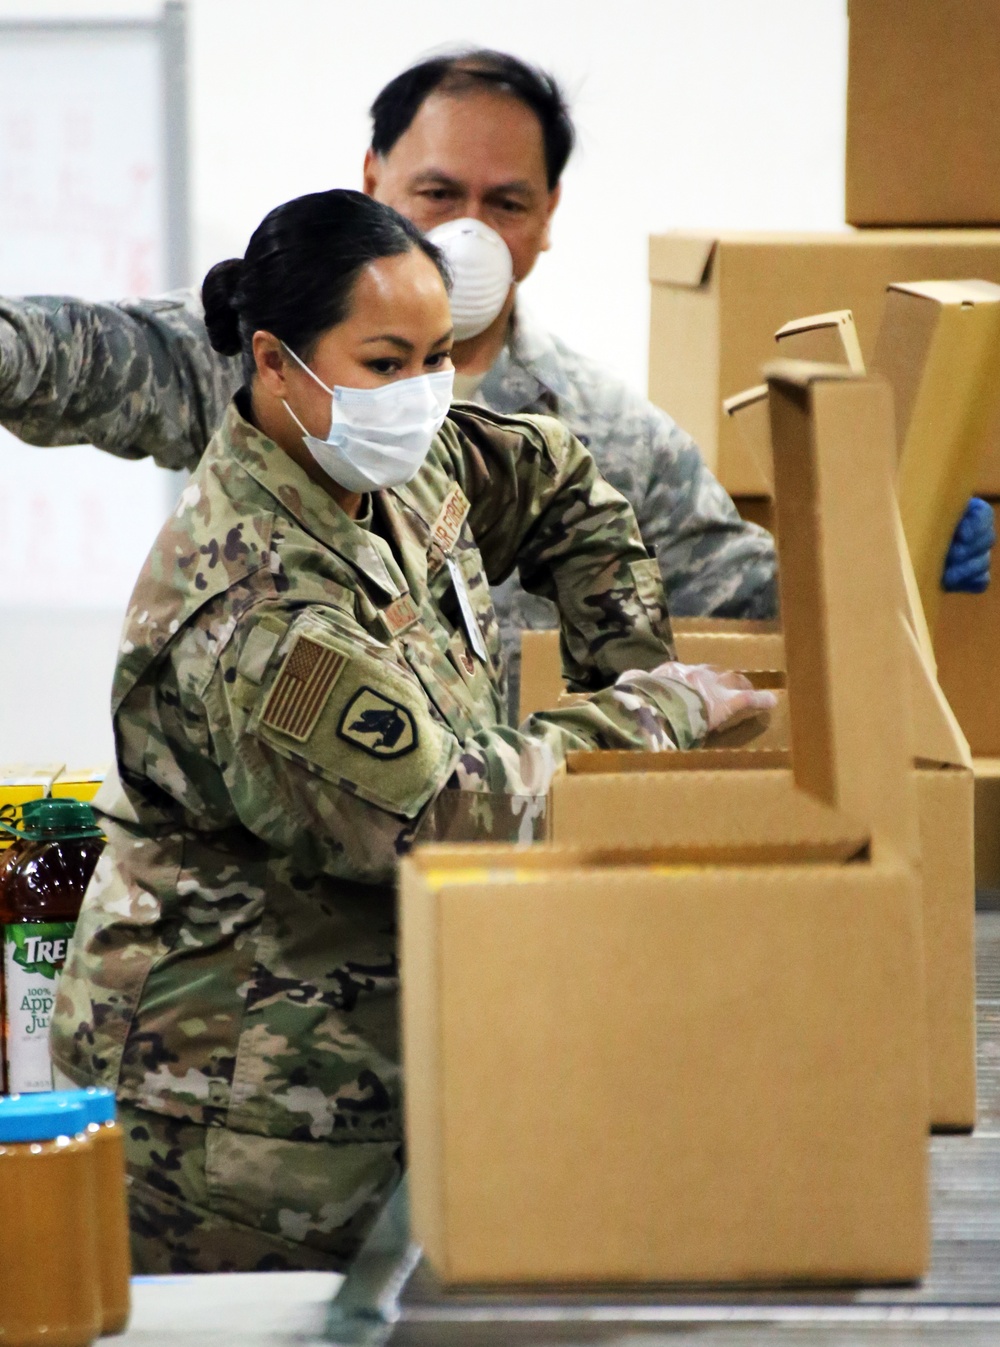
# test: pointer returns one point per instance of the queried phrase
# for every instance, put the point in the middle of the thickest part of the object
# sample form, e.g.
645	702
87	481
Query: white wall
701	113
713	113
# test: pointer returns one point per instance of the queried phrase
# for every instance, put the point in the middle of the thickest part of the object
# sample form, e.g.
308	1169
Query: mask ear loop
312	373
299	361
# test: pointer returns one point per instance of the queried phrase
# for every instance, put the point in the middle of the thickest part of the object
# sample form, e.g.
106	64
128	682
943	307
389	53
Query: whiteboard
91	204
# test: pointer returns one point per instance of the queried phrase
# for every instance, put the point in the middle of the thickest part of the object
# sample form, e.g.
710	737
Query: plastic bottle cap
66	816
41	1117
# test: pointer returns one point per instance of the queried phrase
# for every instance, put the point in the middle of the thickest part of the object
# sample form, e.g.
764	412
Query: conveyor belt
390	1299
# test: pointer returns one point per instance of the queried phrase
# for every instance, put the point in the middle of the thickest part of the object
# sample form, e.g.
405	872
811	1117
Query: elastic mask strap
296	419
312	374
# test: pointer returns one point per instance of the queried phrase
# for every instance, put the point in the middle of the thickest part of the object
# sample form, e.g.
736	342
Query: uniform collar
527	371
320	516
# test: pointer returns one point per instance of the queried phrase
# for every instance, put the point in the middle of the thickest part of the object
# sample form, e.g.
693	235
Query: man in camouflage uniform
141	378
299	697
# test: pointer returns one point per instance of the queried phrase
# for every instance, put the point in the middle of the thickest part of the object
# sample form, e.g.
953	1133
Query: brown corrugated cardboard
541	673
718	299
649	1067
923	105
598	808
939	348
967	646
748	412
662	1072
831	338
987	776
758	510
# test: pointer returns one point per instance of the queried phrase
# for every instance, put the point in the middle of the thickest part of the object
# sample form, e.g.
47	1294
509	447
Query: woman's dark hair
464	72
299	270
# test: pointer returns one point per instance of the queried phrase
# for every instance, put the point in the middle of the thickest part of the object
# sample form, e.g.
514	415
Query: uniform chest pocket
442	682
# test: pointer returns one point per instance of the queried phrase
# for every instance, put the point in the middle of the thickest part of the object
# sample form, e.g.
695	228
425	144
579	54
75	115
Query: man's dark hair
299	271
463	72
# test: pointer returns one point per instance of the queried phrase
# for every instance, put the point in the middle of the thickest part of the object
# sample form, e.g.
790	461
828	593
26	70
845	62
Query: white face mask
379	437
482	271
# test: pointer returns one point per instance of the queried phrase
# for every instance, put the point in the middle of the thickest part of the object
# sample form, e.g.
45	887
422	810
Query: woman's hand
726	697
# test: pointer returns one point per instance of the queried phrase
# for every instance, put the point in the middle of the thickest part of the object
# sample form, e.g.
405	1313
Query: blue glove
967	565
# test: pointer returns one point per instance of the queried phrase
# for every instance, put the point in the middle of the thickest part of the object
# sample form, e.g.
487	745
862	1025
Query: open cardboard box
718	299
752	646
704	1061
597	798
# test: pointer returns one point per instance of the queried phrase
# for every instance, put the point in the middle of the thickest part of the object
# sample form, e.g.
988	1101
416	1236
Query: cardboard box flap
681	259
834	443
937	735
748	411
939	348
964	293
823	337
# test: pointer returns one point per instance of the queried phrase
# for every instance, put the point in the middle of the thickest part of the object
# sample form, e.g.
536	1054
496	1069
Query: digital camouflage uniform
298	699
141	378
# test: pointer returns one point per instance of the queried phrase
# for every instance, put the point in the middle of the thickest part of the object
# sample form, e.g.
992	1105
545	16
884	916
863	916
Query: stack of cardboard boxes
923	195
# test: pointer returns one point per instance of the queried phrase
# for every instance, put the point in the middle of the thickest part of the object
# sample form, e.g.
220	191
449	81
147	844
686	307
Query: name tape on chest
401	614
451	517
302	688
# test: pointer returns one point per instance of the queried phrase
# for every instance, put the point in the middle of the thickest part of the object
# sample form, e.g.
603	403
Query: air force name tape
451	517
378	725
304	683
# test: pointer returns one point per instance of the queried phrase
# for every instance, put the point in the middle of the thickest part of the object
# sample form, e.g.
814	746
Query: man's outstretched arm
138	379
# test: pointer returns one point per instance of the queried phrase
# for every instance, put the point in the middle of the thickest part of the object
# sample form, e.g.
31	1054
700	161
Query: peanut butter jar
114	1263
49	1287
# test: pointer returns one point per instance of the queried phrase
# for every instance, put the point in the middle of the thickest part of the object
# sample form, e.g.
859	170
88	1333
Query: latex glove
725	697
967	565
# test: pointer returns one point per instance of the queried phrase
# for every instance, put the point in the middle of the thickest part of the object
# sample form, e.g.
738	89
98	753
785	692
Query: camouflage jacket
140	378
300	697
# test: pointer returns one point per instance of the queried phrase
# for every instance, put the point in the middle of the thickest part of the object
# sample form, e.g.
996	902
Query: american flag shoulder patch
302	687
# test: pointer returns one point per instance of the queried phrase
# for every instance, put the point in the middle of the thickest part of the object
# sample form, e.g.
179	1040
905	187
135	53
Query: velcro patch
400	616
378	725
451	517
302	687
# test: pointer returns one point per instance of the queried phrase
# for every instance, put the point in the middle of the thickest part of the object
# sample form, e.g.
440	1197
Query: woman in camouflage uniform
310	680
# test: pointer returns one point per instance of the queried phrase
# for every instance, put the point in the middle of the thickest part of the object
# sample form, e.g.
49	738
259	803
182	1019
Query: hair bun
220	296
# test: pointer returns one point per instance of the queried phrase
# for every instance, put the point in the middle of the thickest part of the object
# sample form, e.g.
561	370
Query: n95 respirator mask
379	437
481	270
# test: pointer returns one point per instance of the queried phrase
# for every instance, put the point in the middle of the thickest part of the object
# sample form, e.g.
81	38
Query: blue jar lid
97	1101
40	1117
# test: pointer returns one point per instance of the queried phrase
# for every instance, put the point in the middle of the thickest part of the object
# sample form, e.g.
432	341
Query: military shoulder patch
302	688
378	725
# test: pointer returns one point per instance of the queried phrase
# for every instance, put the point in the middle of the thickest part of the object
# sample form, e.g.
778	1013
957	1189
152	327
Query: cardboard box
625	1072
718	299
987	777
923	105
967	647
939	348
599	799
676	1065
